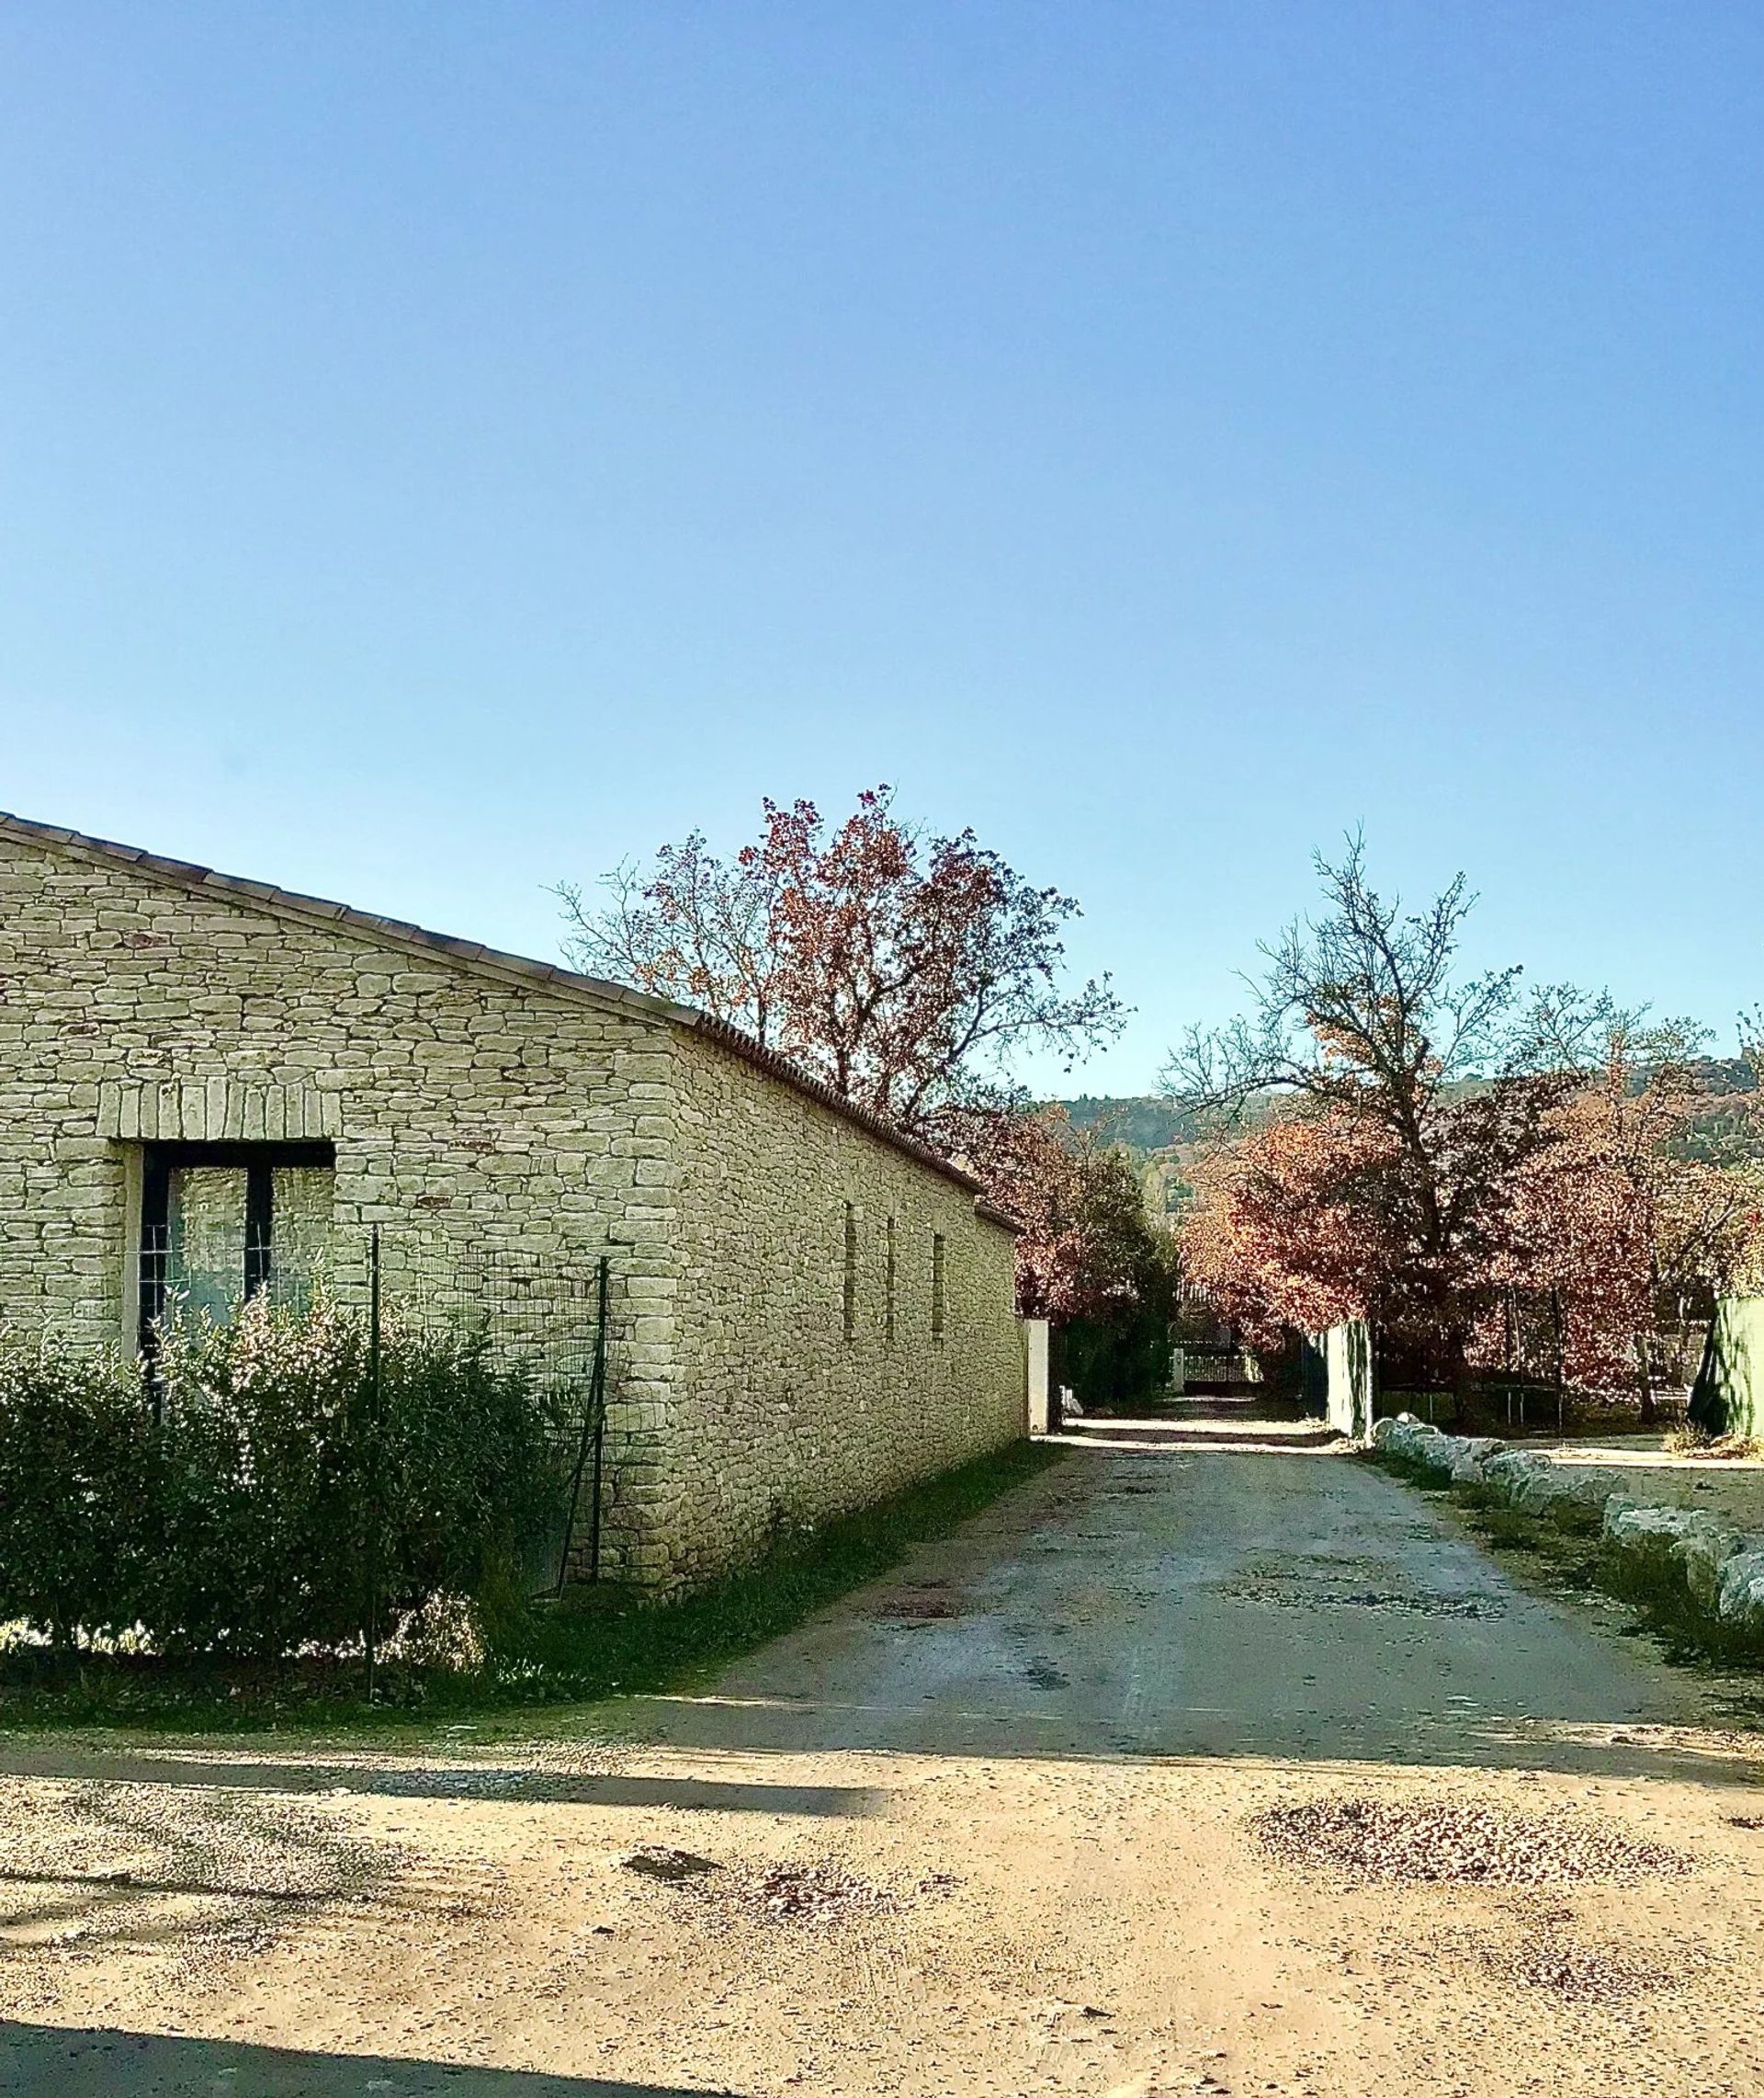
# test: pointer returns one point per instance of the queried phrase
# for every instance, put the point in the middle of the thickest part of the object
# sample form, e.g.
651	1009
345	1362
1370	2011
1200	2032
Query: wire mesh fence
549	1316
1512	1375
552	1319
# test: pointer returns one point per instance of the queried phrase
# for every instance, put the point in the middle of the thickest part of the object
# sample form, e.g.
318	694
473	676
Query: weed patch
1569	1553
1654	1588
1407	1469
1693	1440
1568	1548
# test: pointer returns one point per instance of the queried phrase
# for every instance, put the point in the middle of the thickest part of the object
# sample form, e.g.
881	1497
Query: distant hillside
1149	1126
1724	1131
1141	1125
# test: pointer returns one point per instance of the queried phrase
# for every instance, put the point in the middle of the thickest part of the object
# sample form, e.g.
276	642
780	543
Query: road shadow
1187	1425
528	1784
47	2061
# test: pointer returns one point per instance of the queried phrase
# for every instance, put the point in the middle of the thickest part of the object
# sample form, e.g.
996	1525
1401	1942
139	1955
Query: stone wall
475	1106
808	1386
467	1113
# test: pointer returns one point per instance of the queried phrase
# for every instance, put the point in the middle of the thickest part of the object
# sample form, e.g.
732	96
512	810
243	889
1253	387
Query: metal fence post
371	1630
590	1444
599	1401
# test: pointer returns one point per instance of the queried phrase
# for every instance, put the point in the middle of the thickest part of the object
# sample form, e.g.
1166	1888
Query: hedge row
245	1506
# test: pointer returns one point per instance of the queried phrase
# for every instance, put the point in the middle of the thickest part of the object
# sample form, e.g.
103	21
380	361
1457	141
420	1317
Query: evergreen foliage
252	1507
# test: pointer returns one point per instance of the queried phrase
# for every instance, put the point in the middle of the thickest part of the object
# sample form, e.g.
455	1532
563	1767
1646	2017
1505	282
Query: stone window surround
197	1111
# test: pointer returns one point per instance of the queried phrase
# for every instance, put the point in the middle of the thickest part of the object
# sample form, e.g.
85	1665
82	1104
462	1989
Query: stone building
207	1085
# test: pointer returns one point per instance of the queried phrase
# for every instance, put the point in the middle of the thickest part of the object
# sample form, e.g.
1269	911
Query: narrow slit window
259	1211
850	1293
939	1287
888	1285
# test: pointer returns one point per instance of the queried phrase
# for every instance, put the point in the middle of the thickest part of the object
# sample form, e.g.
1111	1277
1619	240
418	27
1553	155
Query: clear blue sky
445	448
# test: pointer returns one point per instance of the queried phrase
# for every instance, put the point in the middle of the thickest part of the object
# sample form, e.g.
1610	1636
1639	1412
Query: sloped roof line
474	959
744	1045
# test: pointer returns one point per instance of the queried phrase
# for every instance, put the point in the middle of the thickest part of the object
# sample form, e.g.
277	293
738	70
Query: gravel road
1210	1760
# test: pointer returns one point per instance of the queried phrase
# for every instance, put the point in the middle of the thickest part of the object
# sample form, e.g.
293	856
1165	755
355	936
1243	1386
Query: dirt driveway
1207	1762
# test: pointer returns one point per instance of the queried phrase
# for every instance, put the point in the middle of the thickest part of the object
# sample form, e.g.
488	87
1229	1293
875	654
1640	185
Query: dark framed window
218	1221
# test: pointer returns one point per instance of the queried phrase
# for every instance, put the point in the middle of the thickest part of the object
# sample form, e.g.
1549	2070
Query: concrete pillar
1034	1355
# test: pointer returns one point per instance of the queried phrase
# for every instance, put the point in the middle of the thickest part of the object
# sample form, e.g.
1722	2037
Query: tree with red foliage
1408	1099
904	968
1618	1220
907	972
1087	1249
1289	1227
1432	1150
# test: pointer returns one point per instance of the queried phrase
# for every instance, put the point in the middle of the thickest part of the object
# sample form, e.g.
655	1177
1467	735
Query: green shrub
263	1462
277	1491
470	1481
79	1492
1115	1357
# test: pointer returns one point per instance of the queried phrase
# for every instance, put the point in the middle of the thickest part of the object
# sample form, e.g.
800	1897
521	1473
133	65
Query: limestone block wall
809	1377
467	1113
773	1262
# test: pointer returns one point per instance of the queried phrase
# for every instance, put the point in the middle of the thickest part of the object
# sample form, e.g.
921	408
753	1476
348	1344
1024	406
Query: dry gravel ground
1729	1487
1192	1767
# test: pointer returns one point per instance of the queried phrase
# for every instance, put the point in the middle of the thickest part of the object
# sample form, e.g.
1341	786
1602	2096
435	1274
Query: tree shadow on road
47	2061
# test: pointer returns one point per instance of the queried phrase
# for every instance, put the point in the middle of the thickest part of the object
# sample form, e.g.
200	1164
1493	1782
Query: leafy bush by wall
1117	1358
252	1515
79	1493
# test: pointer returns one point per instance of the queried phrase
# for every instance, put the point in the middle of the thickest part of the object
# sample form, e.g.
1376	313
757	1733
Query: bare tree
1364	1008
691	927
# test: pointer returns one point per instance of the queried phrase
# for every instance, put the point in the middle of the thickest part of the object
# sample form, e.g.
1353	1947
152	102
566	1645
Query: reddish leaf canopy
904	969
1287	1231
1614	1217
1308	1220
1087	1247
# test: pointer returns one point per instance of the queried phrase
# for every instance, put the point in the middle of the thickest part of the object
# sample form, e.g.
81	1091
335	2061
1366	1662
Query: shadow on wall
101	2063
1337	1370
